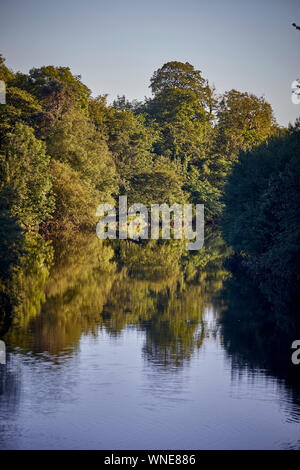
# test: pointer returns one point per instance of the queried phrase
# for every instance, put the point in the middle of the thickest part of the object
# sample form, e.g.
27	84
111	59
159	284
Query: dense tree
184	76
183	109
25	184
261	220
75	199
5	74
39	82
243	121
182	106
98	113
130	142
20	106
167	148
74	140
157	184
177	146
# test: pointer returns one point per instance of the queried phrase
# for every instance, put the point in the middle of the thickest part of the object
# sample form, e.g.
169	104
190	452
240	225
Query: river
122	346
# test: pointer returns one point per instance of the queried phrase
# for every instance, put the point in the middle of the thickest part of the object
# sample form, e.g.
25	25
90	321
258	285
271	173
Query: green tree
20	107
160	183
25	184
182	106
261	220
183	110
131	142
75	199
5	74
41	81
243	122
184	76
74	140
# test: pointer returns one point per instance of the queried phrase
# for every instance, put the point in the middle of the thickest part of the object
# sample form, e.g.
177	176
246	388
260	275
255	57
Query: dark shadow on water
257	336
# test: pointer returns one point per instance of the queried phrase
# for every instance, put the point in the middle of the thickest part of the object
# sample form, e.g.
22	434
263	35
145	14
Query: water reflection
75	286
153	302
258	338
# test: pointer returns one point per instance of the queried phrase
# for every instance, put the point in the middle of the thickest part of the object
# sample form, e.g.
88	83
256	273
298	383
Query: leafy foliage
76	200
25	184
262	219
177	146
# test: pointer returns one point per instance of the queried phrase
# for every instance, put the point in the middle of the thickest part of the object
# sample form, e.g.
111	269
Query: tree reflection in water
73	286
54	292
257	336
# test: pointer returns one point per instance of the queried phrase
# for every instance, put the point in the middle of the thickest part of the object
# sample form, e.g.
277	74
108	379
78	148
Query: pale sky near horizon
116	45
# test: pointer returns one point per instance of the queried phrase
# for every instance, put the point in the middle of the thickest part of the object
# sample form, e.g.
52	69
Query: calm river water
143	347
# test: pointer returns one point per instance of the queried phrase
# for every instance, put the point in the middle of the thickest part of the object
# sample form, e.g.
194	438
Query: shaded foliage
262	220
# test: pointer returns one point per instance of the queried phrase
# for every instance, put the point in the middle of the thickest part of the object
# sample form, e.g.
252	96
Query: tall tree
25	183
243	121
182	106
261	219
73	139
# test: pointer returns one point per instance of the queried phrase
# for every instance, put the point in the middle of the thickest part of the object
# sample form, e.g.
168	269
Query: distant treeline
63	152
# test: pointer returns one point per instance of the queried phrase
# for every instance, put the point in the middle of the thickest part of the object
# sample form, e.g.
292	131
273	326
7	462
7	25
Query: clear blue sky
117	44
